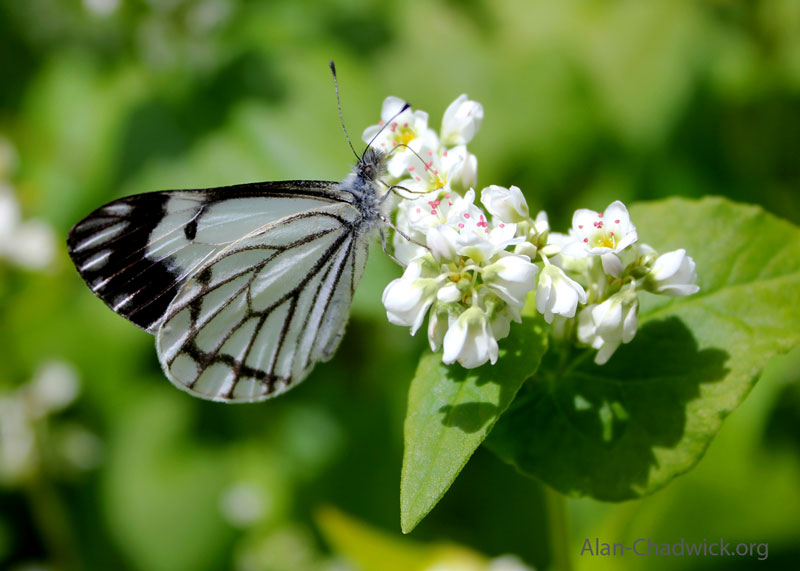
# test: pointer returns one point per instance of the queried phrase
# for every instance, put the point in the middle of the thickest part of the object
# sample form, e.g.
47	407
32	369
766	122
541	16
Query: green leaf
626	429
450	412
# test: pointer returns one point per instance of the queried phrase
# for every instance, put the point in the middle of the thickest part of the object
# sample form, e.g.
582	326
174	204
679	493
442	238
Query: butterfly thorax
363	183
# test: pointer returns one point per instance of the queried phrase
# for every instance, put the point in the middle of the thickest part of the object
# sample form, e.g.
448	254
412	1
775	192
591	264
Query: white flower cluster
24	441
470	270
30	243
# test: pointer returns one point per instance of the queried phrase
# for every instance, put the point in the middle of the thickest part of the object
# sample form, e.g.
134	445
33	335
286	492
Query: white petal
612	265
453	342
448	293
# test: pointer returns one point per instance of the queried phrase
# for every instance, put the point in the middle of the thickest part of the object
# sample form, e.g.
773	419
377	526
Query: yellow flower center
404	135
604	240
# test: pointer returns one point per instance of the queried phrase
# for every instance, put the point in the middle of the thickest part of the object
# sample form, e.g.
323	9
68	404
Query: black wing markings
115	266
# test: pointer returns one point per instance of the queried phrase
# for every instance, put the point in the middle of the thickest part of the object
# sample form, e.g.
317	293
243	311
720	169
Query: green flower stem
557	533
51	519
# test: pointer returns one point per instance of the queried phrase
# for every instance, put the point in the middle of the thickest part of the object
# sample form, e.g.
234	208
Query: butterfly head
372	166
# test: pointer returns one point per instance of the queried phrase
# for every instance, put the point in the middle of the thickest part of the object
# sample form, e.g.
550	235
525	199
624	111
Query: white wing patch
251	322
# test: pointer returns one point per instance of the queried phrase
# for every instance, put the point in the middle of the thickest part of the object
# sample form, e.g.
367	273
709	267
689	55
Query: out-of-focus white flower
18	454
506	204
53	388
511	277
606	325
469	340
557	293
408	298
243	504
80	447
401	135
101	7
30	244
508	563
673	274
462	120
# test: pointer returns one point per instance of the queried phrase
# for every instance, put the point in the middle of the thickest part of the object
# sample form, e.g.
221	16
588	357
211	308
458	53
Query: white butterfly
245	287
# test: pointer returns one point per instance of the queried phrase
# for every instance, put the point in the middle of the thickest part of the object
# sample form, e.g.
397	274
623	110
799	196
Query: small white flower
673	274
541	225
461	121
469	340
601	233
433	168
609	324
402	134
408	298
507	204
557	294
511	278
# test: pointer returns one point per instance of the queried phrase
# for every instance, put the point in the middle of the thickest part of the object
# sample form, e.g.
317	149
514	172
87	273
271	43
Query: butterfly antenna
341	116
389	122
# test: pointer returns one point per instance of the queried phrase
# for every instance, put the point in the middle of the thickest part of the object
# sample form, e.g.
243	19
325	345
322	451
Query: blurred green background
104	465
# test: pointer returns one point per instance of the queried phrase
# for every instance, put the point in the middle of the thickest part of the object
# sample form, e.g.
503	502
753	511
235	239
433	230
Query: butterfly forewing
252	321
246	287
137	252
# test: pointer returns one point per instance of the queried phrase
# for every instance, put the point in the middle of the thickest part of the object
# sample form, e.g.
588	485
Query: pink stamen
444	153
417	178
616	221
586	239
460	224
466	215
411	169
580	226
433	211
502	225
419	210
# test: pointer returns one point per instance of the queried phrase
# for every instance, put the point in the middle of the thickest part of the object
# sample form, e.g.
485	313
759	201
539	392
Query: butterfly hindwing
137	252
252	321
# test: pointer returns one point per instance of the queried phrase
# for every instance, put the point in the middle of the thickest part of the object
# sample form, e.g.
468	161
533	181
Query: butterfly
245	287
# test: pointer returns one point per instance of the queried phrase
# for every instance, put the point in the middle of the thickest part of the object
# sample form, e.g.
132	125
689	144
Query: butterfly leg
385	251
389	223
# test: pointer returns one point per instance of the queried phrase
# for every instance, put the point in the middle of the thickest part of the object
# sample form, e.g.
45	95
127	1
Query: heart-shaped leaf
627	428
452	409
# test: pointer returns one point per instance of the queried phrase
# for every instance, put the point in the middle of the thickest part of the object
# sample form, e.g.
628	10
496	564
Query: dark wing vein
290	326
